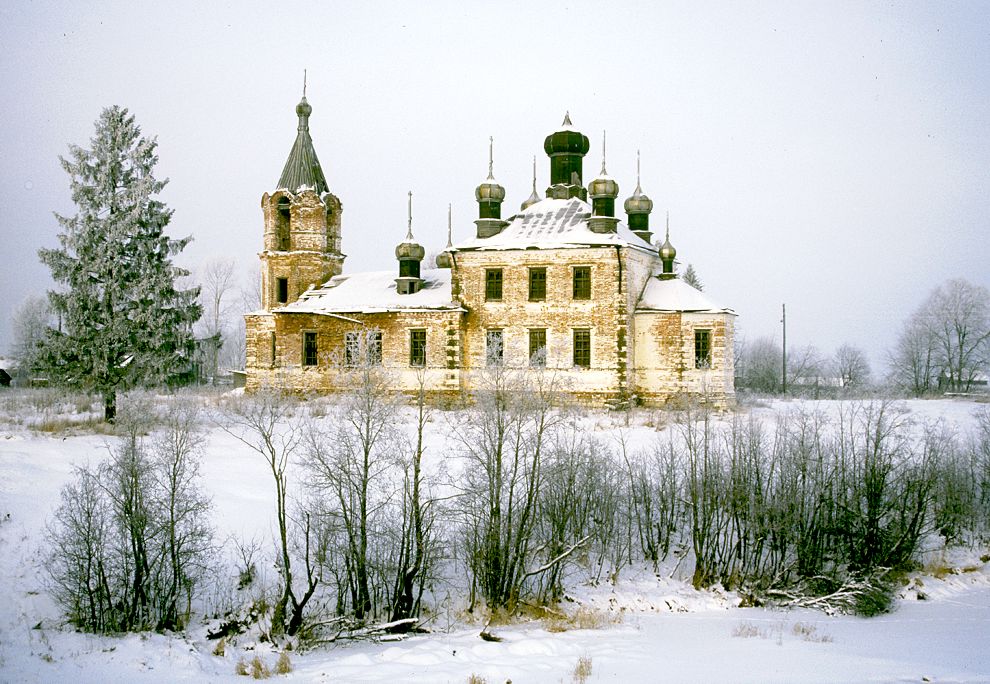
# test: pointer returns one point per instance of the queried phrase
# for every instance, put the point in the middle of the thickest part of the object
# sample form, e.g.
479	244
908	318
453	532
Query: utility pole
783	321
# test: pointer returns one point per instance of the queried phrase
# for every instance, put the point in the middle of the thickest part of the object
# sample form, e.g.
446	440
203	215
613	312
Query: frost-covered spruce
123	322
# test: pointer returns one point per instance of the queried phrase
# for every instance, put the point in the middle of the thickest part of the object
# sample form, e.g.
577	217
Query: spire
491	157
638	191
604	172
450	232
667	254
302	169
444	258
409	235
533	196
567	119
638	208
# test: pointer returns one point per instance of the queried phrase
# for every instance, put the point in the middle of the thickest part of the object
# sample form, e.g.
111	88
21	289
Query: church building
563	285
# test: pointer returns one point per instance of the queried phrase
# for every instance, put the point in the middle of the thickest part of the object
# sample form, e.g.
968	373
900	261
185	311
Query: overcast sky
833	156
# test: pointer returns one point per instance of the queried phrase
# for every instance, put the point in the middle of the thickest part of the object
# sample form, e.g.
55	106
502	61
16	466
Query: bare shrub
283	665
582	670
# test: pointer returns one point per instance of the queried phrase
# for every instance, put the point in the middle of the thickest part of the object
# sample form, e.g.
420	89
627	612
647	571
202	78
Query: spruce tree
123	322
691	278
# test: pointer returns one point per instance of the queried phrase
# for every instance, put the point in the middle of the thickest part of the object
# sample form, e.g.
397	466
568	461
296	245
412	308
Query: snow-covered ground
645	628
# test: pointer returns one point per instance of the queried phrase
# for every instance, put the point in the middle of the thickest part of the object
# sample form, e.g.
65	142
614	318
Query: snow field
649	627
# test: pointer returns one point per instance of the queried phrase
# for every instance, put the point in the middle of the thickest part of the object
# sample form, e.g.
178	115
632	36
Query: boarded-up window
283	290
702	348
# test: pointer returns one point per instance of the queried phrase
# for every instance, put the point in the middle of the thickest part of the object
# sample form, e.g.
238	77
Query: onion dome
566	140
409	253
445	259
533	197
604	186
409	249
490	191
566	148
638	203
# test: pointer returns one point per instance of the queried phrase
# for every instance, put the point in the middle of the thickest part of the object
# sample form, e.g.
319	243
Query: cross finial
534	173
603	153
449	229
668	226
638	191
304	84
567	119
491	158
409	235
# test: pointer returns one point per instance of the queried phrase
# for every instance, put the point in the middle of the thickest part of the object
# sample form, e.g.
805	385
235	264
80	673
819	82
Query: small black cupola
603	190
638	208
409	253
566	148
490	195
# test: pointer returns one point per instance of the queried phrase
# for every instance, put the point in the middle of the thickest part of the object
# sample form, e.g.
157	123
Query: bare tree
129	544
851	366
505	440
349	462
958	313
216	290
762	363
267	424
946	342
914	361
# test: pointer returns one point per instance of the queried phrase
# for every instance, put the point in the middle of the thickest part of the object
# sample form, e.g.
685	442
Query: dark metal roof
302	168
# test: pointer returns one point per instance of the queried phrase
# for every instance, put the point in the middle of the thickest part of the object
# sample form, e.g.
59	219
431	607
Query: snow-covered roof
551	224
374	292
676	295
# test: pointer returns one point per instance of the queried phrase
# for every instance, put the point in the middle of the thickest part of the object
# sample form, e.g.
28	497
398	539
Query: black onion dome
566	140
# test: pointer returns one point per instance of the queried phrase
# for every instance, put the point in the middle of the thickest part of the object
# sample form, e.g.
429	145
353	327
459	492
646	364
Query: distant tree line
943	347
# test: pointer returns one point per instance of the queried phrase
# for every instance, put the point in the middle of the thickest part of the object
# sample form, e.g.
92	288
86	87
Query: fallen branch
554	561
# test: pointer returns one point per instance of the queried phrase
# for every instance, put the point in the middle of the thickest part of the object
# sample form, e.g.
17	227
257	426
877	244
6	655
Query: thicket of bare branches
130	542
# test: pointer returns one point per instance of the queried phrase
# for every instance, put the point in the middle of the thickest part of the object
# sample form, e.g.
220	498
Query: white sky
833	156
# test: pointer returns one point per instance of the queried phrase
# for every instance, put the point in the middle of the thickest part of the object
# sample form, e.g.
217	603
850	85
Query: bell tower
302	224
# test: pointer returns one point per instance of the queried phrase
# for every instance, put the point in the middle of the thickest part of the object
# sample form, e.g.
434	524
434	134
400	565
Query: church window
417	348
273	348
309	349
538	347
702	348
582	282
283	290
537	284
282	224
363	348
582	347
493	284
494	350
